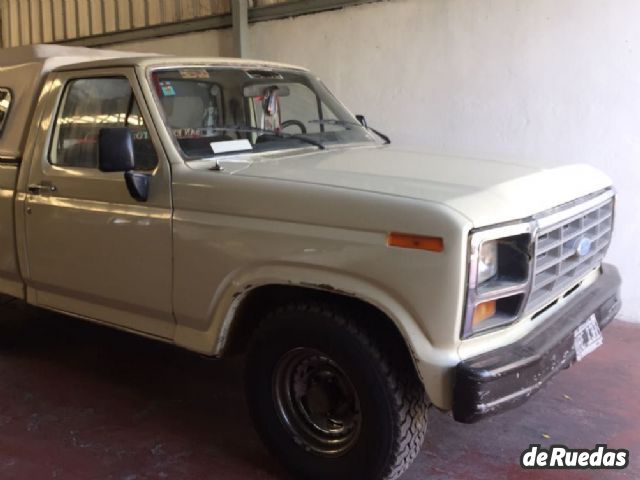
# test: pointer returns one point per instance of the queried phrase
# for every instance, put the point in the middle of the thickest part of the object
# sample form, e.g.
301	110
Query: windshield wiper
247	129
347	123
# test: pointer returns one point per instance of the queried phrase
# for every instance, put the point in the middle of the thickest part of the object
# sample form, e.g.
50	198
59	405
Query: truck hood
485	191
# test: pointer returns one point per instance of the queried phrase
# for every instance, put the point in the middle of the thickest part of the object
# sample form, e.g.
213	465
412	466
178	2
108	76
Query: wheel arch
265	298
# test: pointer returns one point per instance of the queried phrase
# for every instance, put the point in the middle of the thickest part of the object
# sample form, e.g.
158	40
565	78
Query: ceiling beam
240	20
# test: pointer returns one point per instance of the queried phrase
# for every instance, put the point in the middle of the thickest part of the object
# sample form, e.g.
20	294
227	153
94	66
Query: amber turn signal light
483	311
404	240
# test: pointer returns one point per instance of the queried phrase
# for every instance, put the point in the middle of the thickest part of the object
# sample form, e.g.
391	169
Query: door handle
38	188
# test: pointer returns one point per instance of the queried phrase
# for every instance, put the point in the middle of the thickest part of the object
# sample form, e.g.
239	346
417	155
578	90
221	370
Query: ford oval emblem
583	246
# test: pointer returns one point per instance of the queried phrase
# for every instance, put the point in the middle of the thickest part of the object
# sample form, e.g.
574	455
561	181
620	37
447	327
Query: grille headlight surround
503	298
499	276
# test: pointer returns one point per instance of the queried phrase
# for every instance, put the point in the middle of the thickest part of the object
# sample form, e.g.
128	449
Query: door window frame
60	82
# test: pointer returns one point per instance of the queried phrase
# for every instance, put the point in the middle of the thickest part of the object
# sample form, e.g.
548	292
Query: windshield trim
151	69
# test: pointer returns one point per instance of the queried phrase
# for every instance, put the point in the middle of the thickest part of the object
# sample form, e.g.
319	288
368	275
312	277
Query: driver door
92	249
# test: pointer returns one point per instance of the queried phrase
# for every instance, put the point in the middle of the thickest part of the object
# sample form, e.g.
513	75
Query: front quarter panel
234	233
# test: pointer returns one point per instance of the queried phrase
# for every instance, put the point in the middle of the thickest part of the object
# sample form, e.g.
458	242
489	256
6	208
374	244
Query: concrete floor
78	401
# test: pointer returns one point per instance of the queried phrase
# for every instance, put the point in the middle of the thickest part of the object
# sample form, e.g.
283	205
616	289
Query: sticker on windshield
182	133
167	89
231	146
194	73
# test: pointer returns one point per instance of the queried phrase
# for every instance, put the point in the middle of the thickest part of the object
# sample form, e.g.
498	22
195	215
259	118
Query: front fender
434	365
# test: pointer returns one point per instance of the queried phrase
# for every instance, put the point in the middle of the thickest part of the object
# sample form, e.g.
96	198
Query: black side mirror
137	184
115	150
362	120
115	154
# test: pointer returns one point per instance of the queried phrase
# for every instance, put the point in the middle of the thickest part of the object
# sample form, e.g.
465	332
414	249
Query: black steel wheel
317	402
332	401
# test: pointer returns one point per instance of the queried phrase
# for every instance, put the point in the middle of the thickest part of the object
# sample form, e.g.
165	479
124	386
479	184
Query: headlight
498	282
487	261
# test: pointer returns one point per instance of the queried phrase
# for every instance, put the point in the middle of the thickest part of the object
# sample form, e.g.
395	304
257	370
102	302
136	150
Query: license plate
587	337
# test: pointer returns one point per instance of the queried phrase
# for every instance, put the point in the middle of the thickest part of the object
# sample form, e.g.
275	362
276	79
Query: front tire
330	400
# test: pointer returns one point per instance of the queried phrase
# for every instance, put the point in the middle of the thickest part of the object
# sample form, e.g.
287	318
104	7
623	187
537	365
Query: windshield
223	110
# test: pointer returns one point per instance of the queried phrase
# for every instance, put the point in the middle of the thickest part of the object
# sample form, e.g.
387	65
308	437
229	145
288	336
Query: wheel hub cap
317	402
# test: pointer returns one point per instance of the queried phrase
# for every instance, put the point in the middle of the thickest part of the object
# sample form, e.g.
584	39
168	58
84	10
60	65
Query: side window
88	105
5	104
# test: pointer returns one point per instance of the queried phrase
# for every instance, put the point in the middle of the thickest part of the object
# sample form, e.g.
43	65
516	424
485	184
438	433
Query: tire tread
408	398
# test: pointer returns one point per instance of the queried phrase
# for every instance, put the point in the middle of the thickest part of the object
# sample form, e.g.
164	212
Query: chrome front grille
566	251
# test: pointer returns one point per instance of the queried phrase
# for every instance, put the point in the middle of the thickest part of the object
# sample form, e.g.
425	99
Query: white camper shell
22	70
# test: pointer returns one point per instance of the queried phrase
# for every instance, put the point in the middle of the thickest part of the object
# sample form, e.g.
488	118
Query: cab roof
22	71
149	60
64	58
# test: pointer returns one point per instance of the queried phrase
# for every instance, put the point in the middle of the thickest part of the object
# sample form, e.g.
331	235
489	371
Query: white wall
540	81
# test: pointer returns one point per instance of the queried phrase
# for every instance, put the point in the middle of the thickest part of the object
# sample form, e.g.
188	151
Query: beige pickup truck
237	206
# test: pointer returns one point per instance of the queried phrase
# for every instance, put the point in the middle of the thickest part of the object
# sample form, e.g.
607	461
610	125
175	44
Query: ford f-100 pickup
226	205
